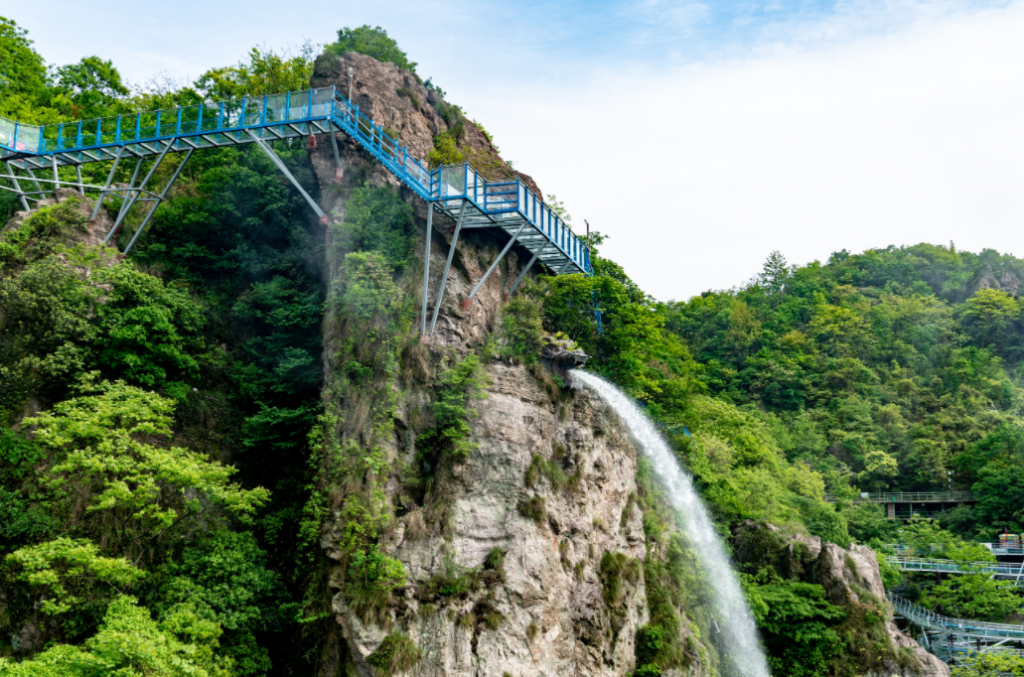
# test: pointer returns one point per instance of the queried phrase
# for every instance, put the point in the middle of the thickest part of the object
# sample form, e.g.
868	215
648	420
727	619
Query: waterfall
739	635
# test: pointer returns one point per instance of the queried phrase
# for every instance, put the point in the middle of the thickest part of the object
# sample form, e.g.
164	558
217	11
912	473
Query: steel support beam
426	265
32	175
526	269
56	177
158	200
494	265
130	200
337	158
106	186
284	170
447	266
78	175
14	179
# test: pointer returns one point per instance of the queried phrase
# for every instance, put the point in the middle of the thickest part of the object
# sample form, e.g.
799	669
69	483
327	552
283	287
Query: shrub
453	581
534	509
397	653
445	151
372	578
523	329
371	42
408	93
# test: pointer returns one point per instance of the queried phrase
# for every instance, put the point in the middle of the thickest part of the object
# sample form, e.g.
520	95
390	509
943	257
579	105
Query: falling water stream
739	636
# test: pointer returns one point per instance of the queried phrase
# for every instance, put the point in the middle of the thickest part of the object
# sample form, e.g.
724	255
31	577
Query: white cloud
699	172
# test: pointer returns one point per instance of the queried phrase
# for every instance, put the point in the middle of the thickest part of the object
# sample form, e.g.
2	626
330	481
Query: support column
78	176
106	186
17	186
526	269
334	147
426	267
132	185
447	266
494	265
284	170
56	177
124	213
890	510
156	203
32	175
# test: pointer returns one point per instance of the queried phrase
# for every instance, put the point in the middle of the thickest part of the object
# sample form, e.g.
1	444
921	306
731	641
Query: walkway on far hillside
1011	571
908	504
949	638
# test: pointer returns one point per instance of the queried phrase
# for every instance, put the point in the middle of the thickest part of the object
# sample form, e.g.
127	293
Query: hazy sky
699	135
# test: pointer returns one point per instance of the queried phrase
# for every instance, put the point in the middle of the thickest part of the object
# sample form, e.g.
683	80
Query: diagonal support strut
447	266
127	207
106	186
426	267
14	179
494	265
158	200
284	170
526	269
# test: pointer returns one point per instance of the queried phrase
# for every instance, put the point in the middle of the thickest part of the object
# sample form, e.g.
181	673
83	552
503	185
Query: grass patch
408	93
397	653
618	572
540	467
534	509
452	582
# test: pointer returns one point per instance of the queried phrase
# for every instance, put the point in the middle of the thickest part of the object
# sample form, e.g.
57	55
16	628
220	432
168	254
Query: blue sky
699	135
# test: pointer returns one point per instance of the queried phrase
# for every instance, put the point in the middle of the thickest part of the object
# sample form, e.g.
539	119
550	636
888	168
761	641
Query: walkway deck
459	191
1000	570
911	497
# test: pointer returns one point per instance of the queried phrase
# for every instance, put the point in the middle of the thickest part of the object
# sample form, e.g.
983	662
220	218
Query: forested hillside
190	483
898	368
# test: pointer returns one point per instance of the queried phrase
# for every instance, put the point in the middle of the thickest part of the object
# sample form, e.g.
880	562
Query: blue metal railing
929	619
947	566
292	114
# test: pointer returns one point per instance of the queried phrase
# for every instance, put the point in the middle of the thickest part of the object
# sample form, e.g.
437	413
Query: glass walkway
459	191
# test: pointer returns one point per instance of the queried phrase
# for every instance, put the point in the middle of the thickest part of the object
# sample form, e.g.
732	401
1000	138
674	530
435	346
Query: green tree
22	69
139	497
65	568
797	622
974	595
988	663
989	315
266	72
130	642
774	273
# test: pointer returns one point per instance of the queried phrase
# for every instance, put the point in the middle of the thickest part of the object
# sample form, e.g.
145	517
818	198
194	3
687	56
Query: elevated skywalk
999	570
952	638
930	620
906	505
458	191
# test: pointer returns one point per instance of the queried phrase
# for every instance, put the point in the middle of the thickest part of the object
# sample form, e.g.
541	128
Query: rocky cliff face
551	616
851	580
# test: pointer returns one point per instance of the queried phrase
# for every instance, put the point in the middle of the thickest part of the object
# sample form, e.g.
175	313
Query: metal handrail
953	567
929	619
910	497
